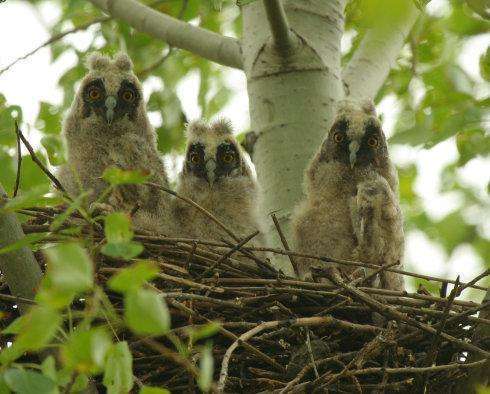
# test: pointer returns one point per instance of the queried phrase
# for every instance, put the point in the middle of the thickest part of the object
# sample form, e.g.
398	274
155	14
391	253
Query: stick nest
279	334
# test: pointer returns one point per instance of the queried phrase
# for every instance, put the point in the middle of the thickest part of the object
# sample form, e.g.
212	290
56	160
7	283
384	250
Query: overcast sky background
34	80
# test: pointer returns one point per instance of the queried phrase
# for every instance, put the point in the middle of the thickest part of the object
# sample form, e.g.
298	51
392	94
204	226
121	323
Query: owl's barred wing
377	223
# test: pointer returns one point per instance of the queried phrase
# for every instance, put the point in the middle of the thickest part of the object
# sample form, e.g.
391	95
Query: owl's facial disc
212	166
110	107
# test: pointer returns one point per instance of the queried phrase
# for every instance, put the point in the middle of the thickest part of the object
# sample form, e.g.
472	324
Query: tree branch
202	42
19	267
279	25
366	72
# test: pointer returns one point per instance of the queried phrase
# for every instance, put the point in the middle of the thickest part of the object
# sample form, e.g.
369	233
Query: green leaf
153	390
49	118
4	389
118	374
29	382
38	327
54	148
70	267
133	277
28	240
85	351
48	368
206	331
206	369
115	176
34	330
119	236
485	65
146	312
36	197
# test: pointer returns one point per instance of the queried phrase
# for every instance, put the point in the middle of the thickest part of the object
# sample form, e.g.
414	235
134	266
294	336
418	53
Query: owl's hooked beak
353	149
110	105
210	168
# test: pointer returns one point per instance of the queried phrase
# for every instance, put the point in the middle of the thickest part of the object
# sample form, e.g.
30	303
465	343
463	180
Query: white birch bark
291	99
202	42
370	65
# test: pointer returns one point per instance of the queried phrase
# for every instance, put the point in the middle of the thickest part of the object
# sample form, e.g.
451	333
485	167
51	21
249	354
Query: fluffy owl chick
351	210
106	126
216	176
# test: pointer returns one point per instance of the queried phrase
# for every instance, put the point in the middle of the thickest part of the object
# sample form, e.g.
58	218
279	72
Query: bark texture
19	267
202	42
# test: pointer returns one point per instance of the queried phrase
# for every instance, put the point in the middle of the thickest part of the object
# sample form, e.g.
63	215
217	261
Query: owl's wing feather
377	224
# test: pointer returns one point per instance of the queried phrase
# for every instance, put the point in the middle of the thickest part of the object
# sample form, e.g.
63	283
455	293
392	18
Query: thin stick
392	313
35	159
198	207
230	252
358	264
285	244
279	25
19	162
472	282
55	38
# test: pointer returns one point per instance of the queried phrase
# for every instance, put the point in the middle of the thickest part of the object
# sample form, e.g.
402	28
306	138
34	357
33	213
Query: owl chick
216	176
107	126
351	210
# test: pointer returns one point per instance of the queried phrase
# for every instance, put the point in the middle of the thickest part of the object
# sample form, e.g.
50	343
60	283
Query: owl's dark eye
338	137
373	142
194	158
94	93
128	95
228	158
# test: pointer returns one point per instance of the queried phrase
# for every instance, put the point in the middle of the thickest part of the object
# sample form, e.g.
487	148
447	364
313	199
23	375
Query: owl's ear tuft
368	107
222	126
196	128
97	61
123	62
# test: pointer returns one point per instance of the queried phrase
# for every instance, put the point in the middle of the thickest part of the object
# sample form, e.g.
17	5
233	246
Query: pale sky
34	80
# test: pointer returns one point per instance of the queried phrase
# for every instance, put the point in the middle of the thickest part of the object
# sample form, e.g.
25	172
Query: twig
198	207
19	162
35	159
472	282
228	254
285	244
171	355
357	264
392	313
55	38
279	25
143	73
432	353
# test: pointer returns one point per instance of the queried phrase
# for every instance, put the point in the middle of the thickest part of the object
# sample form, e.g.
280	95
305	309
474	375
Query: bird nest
280	334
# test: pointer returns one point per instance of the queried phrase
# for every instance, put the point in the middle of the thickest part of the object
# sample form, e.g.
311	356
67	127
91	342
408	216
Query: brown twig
285	244
35	159
19	162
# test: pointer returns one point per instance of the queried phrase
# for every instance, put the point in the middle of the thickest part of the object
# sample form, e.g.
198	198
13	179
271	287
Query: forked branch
202	42
278	22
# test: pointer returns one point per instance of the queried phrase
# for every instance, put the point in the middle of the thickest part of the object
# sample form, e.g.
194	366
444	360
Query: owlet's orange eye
194	158
128	95
94	94
228	158
338	137
373	142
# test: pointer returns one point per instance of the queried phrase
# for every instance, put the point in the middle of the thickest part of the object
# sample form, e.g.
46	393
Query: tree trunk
19	267
292	98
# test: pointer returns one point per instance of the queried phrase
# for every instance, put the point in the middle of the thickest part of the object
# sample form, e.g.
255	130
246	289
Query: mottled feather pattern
128	142
351	209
